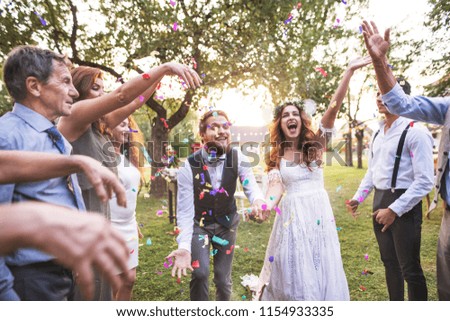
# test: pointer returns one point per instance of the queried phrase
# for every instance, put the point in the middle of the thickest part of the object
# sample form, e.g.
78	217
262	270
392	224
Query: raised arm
87	111
80	242
338	97
24	166
378	48
114	118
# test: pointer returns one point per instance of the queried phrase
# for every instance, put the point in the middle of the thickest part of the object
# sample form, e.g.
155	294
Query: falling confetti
318	222
411	154
245	249
196	264
159	212
366	257
132	251
271	198
215	114
277	210
323	72
219	241
141	98
390	66
214	252
338	188
145	76
194	62
244	297
164	122
362	288
168	263
43	22
149	242
360	29
344	2
245	182
338	21
338	228
228	252
173	3
264	207
270	259
202	175
175	26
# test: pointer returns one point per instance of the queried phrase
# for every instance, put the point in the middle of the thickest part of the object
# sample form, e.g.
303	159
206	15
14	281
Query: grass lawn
154	282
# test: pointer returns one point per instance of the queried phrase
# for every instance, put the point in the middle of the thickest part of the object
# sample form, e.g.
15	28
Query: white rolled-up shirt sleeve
185	206
245	172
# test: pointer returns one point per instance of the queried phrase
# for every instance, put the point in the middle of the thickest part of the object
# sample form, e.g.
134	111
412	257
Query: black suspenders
398	155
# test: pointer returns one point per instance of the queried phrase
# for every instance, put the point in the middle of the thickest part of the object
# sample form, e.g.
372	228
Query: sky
395	14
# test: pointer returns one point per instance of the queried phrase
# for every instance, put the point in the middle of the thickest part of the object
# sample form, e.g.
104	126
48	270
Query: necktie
58	141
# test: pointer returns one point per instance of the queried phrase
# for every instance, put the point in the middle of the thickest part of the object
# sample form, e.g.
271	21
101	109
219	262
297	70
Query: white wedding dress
303	258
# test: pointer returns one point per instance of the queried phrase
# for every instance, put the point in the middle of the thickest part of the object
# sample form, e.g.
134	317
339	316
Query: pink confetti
228	252
145	76
277	210
323	72
168	263
175	26
173	3
194	62
159	212
411	154
164	122
141	98
196	264
366	257
264	207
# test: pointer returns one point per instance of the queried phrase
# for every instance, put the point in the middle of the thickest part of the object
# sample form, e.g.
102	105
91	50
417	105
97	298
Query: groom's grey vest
444	148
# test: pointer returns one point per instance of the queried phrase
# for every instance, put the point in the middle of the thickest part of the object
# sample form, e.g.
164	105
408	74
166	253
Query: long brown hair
83	78
278	141
136	151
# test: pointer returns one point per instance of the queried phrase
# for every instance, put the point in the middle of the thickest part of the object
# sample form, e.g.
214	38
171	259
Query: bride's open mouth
292	127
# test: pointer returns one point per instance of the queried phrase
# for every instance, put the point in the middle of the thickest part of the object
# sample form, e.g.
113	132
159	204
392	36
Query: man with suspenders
429	109
401	172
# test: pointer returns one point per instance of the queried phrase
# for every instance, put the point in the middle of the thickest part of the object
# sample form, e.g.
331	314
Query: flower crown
300	104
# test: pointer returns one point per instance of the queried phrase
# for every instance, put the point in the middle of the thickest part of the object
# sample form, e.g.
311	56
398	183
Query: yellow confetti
333	104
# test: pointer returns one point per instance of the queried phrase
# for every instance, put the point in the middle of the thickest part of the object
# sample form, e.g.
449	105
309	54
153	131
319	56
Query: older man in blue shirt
433	110
41	85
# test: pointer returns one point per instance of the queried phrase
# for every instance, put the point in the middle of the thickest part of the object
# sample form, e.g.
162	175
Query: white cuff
327	130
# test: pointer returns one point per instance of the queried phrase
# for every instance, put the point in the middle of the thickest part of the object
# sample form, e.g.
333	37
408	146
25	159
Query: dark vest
214	206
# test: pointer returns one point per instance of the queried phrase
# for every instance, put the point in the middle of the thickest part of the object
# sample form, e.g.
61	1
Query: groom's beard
216	148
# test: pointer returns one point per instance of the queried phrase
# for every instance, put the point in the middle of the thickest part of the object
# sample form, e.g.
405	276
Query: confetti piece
366	272
149	242
277	210
318	222
43	22
333	104
337	23
289	19
119	79
132	251
338	188
344	2
202	175
168	263
360	29
245	249
201	196
159	212
390	66
205	167
145	76
299	5
201	223
220	241
141	98
196	264
366	257
411	154
411	124
173	3
159	272
175	26
360	199
245	182
214	252
362	288
323	72
133	190
164	122
228	252
244	297
178	280
215	114
270	259
133	130
271	198
194	62
338	228
264	207
203	75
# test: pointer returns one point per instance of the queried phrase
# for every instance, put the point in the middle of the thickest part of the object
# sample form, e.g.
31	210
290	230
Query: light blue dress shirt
426	109
24	129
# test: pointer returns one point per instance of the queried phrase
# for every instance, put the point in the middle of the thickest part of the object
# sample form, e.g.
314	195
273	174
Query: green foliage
357	238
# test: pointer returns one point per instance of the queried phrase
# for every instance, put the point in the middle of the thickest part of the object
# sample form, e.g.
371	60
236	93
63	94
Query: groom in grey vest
206	210
427	109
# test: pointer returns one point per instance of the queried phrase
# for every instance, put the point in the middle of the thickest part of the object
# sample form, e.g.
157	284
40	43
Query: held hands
352	206
384	216
260	211
182	262
189	75
375	44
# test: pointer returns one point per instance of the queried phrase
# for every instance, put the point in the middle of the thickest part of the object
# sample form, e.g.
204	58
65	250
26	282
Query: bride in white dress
303	258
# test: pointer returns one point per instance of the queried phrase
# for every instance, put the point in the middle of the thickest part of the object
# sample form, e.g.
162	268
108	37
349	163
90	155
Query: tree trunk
359	136
348	148
157	149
